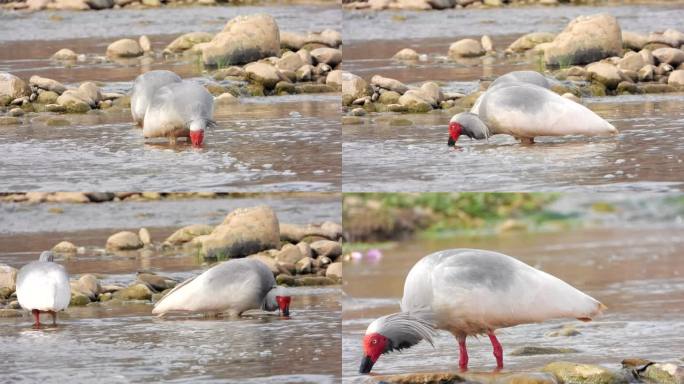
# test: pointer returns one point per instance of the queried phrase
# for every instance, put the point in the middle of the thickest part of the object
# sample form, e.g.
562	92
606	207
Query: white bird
144	88
472	292
43	286
183	109
521	105
232	287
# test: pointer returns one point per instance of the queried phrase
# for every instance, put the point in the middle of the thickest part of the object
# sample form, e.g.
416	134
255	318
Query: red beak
197	138
284	304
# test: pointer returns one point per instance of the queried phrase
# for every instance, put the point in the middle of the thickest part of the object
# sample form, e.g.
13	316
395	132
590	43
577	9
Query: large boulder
334	270
124	48
328	248
13	86
187	41
632	61
244	39
244	231
529	41
466	48
585	40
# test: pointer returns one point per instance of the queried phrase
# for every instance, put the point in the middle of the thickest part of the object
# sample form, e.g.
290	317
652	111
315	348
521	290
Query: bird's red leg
498	351
36	317
463	354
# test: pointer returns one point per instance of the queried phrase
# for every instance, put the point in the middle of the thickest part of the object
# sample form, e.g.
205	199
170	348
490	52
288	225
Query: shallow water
647	155
408	152
288	144
636	272
128	344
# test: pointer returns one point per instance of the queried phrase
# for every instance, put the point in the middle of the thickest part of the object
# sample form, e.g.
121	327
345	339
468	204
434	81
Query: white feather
44	286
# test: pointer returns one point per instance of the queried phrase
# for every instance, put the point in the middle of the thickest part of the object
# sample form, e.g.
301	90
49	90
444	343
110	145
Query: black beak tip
366	365
451	142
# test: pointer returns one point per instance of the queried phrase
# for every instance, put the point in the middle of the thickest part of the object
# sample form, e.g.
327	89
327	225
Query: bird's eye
374	341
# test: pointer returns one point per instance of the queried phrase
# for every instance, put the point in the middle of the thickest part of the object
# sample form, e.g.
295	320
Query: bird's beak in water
451	142
197	138
366	365
284	305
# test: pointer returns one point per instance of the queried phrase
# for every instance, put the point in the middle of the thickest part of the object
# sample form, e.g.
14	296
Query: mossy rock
313	281
215	89
533	350
122	102
284	88
389	97
468	101
255	89
284	279
5	100
352	120
627	88
597	89
5	293
314	88
575	373
79	300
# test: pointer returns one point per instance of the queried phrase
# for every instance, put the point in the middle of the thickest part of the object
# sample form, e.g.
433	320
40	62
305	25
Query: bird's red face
197	138
284	304
455	130
374	345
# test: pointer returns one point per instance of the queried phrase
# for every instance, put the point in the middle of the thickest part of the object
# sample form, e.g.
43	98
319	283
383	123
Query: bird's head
392	333
284	305
197	128
469	124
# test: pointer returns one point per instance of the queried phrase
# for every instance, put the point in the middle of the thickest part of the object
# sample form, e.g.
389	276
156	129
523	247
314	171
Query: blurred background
623	249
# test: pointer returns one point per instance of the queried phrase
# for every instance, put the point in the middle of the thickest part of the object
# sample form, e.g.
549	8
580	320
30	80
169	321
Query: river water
408	152
262	144
634	267
126	343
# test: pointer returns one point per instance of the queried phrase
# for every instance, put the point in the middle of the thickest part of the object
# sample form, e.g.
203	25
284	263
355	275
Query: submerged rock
406	54
134	292
531	350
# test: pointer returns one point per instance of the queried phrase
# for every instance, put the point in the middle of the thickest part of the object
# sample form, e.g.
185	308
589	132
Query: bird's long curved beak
366	365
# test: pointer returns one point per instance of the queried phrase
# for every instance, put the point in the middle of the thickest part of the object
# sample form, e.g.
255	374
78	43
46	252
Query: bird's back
144	89
44	286
234	286
527	110
476	290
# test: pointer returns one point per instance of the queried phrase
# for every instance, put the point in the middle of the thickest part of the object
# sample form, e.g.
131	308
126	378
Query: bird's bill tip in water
284	305
455	130
197	138
366	364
